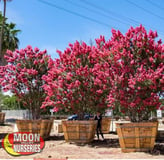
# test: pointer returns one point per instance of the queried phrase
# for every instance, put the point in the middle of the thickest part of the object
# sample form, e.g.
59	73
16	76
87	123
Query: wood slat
79	131
35	126
134	137
2	117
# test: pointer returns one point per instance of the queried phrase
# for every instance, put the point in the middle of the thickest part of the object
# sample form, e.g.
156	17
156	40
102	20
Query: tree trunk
2	61
35	113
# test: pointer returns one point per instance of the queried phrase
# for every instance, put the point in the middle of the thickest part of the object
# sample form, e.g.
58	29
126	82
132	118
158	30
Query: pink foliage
23	76
79	80
128	68
124	73
139	72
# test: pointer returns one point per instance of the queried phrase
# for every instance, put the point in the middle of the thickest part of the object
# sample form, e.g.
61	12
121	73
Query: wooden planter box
105	124
35	126
134	137
2	117
79	131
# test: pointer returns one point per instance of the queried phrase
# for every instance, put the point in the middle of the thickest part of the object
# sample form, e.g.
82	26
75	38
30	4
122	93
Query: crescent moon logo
23	143
9	147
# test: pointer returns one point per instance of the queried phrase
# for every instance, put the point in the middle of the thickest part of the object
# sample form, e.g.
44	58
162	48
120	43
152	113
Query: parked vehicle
75	117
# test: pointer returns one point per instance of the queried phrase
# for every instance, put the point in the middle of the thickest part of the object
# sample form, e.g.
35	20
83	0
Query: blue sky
53	24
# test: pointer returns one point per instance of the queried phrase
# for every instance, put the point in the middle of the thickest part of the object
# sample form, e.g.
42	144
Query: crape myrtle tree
23	77
138	67
79	80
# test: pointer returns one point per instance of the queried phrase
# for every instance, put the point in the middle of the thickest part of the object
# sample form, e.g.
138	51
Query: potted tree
79	82
23	77
138	63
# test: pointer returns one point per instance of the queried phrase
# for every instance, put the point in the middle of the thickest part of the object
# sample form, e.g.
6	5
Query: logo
23	143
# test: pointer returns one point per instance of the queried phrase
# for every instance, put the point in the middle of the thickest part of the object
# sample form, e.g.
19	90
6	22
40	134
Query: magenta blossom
23	76
138	67
79	81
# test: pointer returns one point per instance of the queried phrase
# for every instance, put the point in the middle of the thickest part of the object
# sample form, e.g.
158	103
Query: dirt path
56	147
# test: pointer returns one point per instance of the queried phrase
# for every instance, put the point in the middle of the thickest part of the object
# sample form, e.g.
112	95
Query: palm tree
10	40
2	27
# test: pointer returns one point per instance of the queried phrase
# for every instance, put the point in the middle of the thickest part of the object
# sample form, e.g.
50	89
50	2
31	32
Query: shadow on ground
158	148
11	120
55	138
5	124
108	143
2	135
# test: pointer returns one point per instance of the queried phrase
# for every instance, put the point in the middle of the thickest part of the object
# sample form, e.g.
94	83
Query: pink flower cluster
78	80
23	76
127	71
139	72
124	73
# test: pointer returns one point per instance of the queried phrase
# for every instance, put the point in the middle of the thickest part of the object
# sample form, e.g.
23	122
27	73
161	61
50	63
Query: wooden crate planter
135	137
79	131
2	117
45	129
35	126
105	124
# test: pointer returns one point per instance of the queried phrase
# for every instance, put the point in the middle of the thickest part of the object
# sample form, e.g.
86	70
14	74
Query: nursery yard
56	147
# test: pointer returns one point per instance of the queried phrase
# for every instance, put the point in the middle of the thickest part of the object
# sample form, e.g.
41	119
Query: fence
17	114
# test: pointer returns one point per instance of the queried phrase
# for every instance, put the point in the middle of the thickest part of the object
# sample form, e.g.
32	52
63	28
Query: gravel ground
56	147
